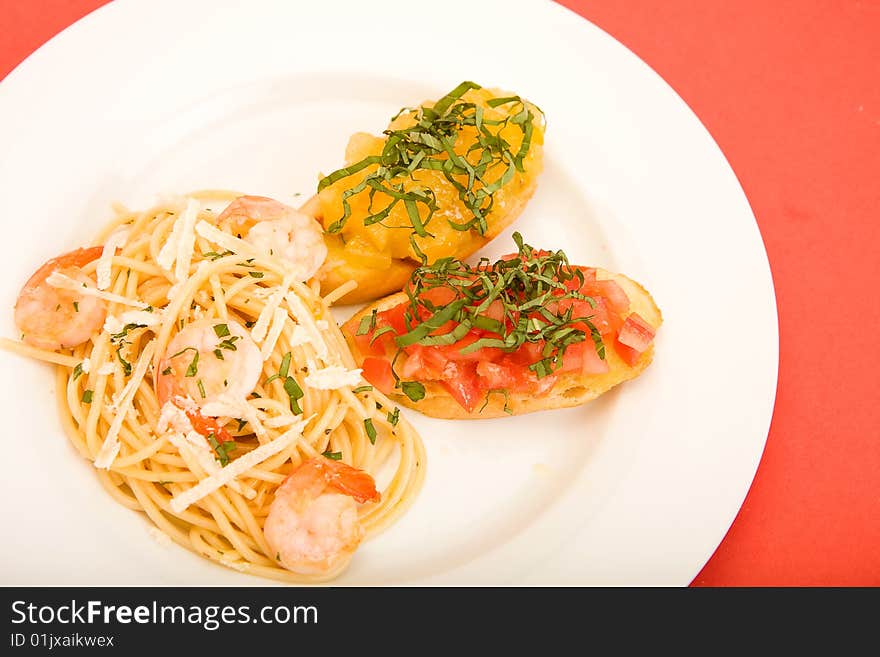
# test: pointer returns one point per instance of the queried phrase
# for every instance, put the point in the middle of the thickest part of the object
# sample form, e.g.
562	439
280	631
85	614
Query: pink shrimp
313	522
208	360
56	318
277	229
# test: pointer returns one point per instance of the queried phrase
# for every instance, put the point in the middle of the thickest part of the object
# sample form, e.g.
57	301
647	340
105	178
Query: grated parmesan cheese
169	250
305	318
64	282
86	365
187	239
110	447
208	485
278	321
103	269
258	332
107	368
227	241
333	378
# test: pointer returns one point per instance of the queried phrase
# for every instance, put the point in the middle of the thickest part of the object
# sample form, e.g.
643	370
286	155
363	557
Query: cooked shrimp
208	361
313	524
278	230
54	318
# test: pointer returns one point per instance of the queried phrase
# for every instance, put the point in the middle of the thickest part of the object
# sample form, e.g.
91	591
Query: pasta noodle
175	268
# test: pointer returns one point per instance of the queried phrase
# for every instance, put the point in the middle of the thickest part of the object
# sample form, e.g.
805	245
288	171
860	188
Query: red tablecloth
791	92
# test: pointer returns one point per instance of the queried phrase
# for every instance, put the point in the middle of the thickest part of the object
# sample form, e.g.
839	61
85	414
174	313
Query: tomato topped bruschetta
529	332
443	180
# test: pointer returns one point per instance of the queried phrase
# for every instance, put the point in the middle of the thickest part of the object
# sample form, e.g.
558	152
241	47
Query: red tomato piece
461	381
634	338
378	372
617	300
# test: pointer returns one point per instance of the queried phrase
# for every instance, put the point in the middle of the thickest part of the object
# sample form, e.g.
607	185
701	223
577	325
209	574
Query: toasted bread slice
571	389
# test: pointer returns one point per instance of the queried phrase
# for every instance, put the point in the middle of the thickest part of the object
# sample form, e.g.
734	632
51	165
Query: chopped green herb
285	365
295	393
193	368
241	424
229	343
371	430
213	255
201	388
126	366
394	417
222	449
87	396
77	371
166	371
334	456
413	389
362	389
256	274
222	330
76	306
367	323
218	354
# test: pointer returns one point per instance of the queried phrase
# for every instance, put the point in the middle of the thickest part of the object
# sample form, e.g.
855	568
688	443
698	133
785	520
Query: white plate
141	99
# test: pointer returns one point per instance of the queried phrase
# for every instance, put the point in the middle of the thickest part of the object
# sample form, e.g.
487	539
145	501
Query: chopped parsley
394	417
333	456
371	430
87	396
222	449
295	393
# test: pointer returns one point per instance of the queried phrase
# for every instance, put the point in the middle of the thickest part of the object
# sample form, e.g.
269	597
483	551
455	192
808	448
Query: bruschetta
527	333
443	180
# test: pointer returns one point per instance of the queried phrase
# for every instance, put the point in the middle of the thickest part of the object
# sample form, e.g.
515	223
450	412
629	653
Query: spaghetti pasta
215	375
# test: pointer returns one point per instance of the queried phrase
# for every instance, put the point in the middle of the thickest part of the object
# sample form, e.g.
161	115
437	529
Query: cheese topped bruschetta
529	332
443	180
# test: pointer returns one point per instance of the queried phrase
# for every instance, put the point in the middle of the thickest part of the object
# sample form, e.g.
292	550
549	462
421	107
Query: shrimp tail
207	426
76	258
321	472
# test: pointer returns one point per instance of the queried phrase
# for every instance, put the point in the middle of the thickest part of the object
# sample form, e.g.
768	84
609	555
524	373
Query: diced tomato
528	354
394	317
453	351
636	333
461	381
369	348
495	375
634	338
617	300
589	274
439	296
583	357
495	310
423	363
378	372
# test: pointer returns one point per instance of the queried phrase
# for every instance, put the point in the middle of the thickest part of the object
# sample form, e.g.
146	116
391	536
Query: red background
790	90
